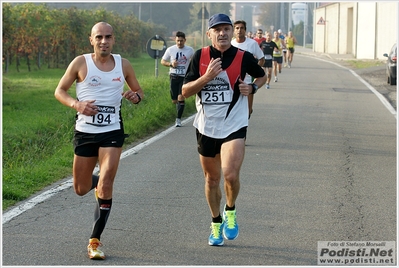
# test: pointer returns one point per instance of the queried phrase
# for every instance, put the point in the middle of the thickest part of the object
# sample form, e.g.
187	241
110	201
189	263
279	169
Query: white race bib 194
105	116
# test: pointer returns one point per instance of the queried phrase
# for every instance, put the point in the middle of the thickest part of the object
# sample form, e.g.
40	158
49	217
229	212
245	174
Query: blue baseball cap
219	19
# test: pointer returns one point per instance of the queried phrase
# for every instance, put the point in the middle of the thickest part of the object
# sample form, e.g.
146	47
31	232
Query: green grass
361	64
38	130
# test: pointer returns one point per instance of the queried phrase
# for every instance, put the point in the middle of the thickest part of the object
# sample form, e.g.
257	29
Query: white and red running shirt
106	89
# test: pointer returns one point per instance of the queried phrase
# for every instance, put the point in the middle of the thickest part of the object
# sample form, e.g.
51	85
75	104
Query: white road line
9	215
378	94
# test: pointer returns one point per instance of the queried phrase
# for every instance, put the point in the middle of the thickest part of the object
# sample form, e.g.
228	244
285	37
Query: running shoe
178	122
230	228
289	65
275	79
216	238
285	65
93	251
267	86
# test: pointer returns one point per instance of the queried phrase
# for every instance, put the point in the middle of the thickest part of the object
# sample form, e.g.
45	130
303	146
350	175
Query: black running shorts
268	64
210	147
176	83
88	144
278	59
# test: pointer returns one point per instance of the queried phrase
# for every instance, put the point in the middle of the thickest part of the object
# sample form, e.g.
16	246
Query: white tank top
106	89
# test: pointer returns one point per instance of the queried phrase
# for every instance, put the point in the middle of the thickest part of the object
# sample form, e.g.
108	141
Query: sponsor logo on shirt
95	81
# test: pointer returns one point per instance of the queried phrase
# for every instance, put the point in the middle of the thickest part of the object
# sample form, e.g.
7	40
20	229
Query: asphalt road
320	165
375	76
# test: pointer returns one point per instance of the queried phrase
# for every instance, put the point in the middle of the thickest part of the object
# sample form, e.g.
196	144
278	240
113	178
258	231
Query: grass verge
361	64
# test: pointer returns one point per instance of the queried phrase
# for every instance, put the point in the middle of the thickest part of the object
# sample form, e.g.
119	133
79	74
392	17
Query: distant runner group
276	51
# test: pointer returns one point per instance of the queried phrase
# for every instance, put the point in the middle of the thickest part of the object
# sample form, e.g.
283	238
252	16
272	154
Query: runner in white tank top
99	133
106	88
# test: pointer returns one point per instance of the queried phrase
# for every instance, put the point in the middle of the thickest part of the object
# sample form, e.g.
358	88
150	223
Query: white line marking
379	95
9	215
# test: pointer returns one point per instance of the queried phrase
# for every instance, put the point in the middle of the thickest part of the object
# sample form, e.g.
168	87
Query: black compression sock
218	219
180	108
103	208
230	208
94	181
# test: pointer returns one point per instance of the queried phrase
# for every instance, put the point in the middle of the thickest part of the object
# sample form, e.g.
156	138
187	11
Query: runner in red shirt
259	36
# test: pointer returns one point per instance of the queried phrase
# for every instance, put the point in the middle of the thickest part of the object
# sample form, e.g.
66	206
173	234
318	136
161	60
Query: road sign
321	21
206	13
156	47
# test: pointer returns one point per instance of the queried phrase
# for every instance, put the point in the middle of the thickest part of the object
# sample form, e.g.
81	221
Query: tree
298	33
212	8
269	15
56	36
174	16
7	35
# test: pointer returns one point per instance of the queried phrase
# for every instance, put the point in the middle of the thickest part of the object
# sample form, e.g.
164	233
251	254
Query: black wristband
138	96
254	88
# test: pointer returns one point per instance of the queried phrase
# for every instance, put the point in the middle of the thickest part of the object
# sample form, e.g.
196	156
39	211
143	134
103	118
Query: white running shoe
275	79
93	251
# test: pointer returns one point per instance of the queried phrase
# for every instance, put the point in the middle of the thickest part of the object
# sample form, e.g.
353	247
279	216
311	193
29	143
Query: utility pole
305	25
202	24
203	14
139	11
289	24
282	17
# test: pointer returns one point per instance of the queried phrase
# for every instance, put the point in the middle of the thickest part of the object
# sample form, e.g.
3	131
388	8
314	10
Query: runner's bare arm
132	83
76	71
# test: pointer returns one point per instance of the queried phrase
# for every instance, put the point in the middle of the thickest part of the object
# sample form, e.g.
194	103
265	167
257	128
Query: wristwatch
254	88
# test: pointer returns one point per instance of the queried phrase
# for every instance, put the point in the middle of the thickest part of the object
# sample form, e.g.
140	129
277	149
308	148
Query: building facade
366	30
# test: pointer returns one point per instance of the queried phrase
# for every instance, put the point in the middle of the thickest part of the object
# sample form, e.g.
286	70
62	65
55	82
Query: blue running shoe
216	238
230	228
